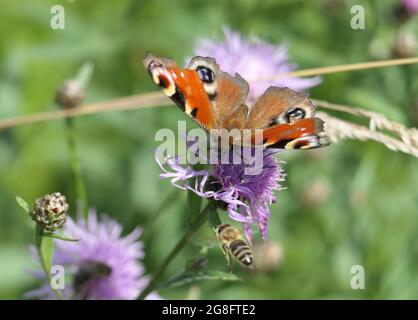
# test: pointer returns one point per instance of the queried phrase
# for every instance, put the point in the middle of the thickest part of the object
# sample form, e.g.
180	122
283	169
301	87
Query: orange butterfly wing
288	120
184	87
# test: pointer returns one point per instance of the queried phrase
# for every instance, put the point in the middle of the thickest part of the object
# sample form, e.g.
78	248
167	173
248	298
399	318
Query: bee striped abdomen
234	246
242	252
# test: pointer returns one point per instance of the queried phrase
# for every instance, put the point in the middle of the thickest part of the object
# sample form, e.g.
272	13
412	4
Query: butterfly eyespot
289	116
205	74
294	114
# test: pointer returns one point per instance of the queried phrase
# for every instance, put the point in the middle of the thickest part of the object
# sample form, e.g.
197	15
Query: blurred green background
351	203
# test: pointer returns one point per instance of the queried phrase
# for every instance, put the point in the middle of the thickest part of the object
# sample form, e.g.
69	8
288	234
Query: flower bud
406	45
70	94
268	255
50	211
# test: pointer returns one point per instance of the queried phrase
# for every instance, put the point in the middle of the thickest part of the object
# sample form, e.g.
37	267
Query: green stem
38	240
79	188
193	228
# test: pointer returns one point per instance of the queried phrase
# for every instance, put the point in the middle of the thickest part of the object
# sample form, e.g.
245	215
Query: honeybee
233	244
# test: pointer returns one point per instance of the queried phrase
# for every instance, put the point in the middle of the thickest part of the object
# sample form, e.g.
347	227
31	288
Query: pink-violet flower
246	197
102	265
253	59
411	6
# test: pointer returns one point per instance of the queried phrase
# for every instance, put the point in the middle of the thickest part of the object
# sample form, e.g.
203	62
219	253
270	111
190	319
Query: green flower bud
50	211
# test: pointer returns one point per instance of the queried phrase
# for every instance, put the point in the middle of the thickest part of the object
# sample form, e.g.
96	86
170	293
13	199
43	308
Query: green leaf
60	237
206	237
21	202
45	246
47	251
84	74
188	278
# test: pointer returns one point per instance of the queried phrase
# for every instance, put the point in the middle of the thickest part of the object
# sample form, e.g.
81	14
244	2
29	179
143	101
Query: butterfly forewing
184	87
227	94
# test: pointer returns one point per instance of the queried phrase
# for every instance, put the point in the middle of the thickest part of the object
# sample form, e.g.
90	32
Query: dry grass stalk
338	129
377	121
145	100
341	68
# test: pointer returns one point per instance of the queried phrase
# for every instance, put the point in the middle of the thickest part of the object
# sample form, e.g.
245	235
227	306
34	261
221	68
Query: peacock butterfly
216	100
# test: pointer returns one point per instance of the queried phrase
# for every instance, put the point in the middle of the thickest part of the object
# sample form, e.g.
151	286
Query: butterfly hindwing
288	120
276	104
303	134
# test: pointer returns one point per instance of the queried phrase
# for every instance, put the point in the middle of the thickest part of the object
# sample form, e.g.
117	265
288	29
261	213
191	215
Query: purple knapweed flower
102	265
246	197
411	6
257	61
